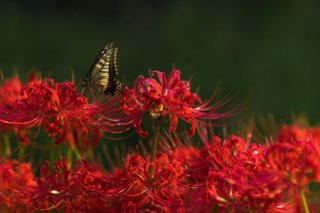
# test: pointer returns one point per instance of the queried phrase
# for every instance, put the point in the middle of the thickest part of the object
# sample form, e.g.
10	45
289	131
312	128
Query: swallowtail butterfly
103	73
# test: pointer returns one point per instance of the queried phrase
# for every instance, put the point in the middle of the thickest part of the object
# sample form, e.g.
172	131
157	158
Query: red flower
295	133
168	97
134	190
10	91
64	114
298	150
229	175
81	189
15	177
295	160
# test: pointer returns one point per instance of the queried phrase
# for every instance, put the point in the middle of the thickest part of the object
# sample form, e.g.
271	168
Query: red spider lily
79	190
295	160
301	147
86	188
168	97
14	178
296	163
295	133
10	91
9	95
62	112
229	176
134	190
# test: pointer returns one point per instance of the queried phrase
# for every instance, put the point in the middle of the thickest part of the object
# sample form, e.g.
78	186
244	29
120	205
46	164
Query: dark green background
269	49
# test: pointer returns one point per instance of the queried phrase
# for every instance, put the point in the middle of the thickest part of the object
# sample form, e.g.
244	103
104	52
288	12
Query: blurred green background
269	49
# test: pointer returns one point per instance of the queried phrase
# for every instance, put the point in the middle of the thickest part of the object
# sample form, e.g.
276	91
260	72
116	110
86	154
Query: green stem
69	157
2	145
21	152
7	149
154	145
72	151
76	151
304	201
52	155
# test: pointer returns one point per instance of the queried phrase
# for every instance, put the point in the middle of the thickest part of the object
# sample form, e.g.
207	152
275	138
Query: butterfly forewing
103	72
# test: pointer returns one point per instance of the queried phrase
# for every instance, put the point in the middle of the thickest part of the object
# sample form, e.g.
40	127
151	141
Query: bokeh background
268	51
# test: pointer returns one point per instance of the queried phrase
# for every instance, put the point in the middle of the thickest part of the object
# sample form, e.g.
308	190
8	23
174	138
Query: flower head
294	160
162	96
133	188
15	177
10	91
80	189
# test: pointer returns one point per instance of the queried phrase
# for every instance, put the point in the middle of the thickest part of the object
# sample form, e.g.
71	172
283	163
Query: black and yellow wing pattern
103	73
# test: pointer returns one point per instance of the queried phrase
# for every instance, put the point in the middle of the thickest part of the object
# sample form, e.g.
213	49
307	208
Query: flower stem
2	146
69	157
154	145
21	151
7	149
304	201
52	155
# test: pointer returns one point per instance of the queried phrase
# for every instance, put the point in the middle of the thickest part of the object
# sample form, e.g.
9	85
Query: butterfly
103	73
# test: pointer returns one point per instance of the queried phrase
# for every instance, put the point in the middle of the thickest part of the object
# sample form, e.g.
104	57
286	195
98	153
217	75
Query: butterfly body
103	73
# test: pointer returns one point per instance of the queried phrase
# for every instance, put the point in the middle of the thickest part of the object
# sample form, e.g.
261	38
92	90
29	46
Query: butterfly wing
103	72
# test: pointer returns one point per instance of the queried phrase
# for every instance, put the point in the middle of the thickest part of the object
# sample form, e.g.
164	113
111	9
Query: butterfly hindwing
103	72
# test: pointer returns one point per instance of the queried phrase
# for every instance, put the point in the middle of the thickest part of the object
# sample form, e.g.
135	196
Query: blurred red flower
15	177
10	91
295	160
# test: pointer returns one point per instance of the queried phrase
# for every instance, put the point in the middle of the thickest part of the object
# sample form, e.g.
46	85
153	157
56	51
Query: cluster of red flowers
57	107
230	174
227	175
